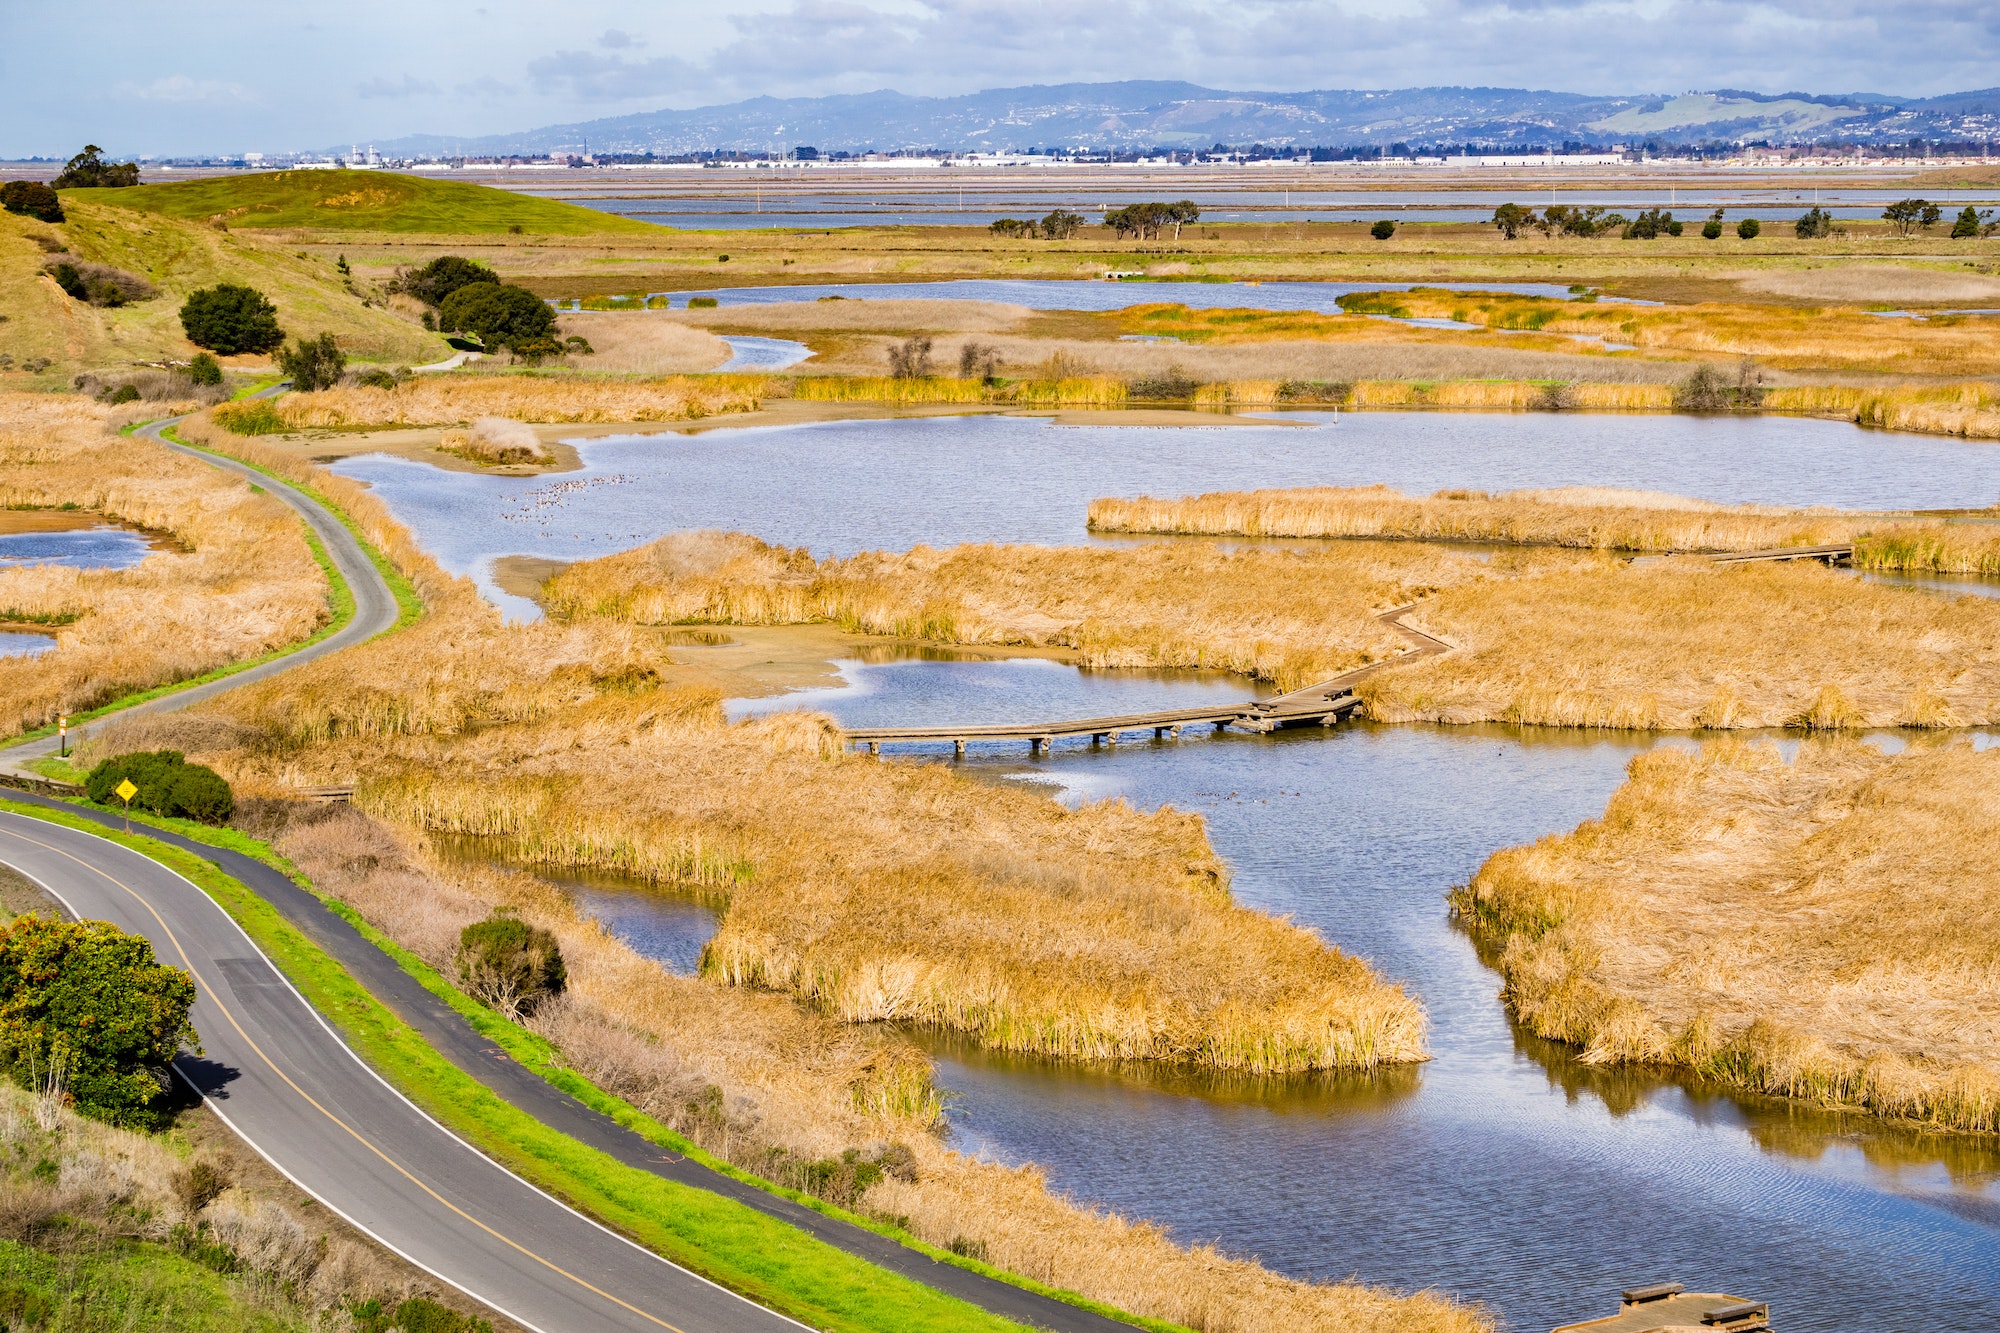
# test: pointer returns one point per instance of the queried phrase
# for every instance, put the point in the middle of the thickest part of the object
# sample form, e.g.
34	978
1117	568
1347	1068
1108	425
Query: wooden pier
1316	705
1836	553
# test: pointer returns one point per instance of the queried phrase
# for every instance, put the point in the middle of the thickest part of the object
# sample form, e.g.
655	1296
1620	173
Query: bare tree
977	360
911	358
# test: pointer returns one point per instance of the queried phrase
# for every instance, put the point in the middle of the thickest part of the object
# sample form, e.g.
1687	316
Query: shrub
168	785
978	361
85	1009
510	964
911	358
1815	224
124	393
1706	390
229	319
1711	229
256	417
709	302
31	199
1650	224
205	370
441	277
415	1315
89	171
1748	228
312	364
69	280
1383	230
1173	386
498	314
99	284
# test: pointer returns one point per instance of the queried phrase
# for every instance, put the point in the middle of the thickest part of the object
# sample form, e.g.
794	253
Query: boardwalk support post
959	745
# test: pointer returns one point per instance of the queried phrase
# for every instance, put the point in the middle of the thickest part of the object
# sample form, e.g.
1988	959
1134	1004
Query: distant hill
1183	115
363	201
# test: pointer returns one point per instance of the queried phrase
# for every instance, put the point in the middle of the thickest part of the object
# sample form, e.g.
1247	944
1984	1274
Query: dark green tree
168	785
510	964
498	314
31	199
312	364
1512	220
1383	230
86	1012
1748	228
1970	224
444	275
229	319
1815	224
89	171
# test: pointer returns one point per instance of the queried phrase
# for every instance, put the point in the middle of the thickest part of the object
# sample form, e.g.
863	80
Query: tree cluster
1651	224
99	284
510	964
229	319
501	315
31	199
89	171
1908	215
88	1017
1974	223
312	364
434	281
1057	226
1146	221
1815	224
168	785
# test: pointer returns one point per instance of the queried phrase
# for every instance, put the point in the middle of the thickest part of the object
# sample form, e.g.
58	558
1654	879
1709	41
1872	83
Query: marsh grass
241	582
454	398
1822	929
495	440
1289	616
1969	410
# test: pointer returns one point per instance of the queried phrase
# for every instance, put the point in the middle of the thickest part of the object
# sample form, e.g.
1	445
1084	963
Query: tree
1571	221
168	785
911	358
1011	227
444	275
1512	220
1181	213
1908	215
89	171
31	199
1383	230
1061	224
1971	224
498	314
1650	224
204	370
229	319
1815	224
1712	229
510	964
977	360
312	364
1748	228
71	281
85	1009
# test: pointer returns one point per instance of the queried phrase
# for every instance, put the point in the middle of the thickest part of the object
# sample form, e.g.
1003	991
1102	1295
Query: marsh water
1502	1170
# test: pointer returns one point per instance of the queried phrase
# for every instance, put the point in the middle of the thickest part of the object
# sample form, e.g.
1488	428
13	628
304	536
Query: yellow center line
309	1100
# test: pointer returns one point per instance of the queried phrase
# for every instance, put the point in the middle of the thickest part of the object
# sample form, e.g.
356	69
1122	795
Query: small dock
1668	1307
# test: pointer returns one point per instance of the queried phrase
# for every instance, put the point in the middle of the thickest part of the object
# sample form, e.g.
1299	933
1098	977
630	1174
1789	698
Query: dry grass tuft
1823	929
495	440
242	582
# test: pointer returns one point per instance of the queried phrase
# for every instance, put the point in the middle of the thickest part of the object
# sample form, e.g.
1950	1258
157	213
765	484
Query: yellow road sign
126	791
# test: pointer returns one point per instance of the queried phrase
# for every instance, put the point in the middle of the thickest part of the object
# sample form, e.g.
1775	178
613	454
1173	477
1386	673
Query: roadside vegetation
1821	928
238	580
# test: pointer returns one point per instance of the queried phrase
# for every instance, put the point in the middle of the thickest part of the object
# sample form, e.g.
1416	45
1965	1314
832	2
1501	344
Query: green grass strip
340	602
761	1257
533	1052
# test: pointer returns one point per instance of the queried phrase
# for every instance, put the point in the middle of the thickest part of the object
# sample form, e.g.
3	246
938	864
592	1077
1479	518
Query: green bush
1711	229
31	199
312	364
510	964
1748	228
205	370
415	1315
89	171
168	785
498	314
124	393
84	1007
229	319
1815	224
706	302
256	417
1383	230
1972	223
444	275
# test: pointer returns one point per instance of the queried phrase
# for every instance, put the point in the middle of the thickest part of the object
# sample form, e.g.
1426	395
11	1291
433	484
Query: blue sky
225	75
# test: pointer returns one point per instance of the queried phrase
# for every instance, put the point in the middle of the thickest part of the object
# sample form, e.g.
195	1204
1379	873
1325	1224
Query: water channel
1503	1170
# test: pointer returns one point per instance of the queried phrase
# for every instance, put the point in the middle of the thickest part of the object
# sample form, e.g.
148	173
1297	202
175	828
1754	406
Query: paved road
375	607
292	1090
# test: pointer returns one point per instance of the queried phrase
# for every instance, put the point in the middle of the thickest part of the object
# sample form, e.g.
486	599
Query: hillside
176	257
361	201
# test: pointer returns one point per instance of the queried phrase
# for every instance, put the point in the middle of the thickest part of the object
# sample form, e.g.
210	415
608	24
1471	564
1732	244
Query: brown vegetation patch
1876	284
450	399
1822	929
643	343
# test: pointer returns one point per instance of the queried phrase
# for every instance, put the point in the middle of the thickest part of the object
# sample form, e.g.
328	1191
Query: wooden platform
1250	715
1679	1312
1836	553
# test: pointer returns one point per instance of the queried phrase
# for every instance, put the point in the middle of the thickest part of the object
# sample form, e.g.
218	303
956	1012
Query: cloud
408	86
615	39
488	87
589	77
180	88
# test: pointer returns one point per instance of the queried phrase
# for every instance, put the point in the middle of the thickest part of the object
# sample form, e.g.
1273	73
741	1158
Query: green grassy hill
380	201
41	323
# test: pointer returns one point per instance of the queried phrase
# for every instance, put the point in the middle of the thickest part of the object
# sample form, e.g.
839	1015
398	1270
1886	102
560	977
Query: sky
201	76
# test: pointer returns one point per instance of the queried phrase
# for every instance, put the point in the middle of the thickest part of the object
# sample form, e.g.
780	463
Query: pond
41	538
843	486
18	643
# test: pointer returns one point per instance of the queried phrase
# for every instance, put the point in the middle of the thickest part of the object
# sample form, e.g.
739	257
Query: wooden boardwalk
1836	553
1316	705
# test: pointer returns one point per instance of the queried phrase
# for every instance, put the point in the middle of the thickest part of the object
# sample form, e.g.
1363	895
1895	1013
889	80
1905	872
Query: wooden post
875	748
959	745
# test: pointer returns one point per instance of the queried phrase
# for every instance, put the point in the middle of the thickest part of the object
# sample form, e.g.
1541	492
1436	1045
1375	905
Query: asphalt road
281	1078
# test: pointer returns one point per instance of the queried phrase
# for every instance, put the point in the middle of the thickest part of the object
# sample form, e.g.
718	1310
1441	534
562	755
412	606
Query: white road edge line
442	1129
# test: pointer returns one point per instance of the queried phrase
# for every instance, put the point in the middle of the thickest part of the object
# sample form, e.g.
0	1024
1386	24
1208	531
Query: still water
100	547
839	487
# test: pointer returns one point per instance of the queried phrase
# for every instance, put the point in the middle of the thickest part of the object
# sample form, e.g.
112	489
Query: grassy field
1822	928
361	201
242	581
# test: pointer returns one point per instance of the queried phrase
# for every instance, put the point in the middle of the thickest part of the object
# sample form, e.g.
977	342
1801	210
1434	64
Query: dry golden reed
453	399
1067	391
1685	643
240	581
1290	616
1823	929
1970	410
